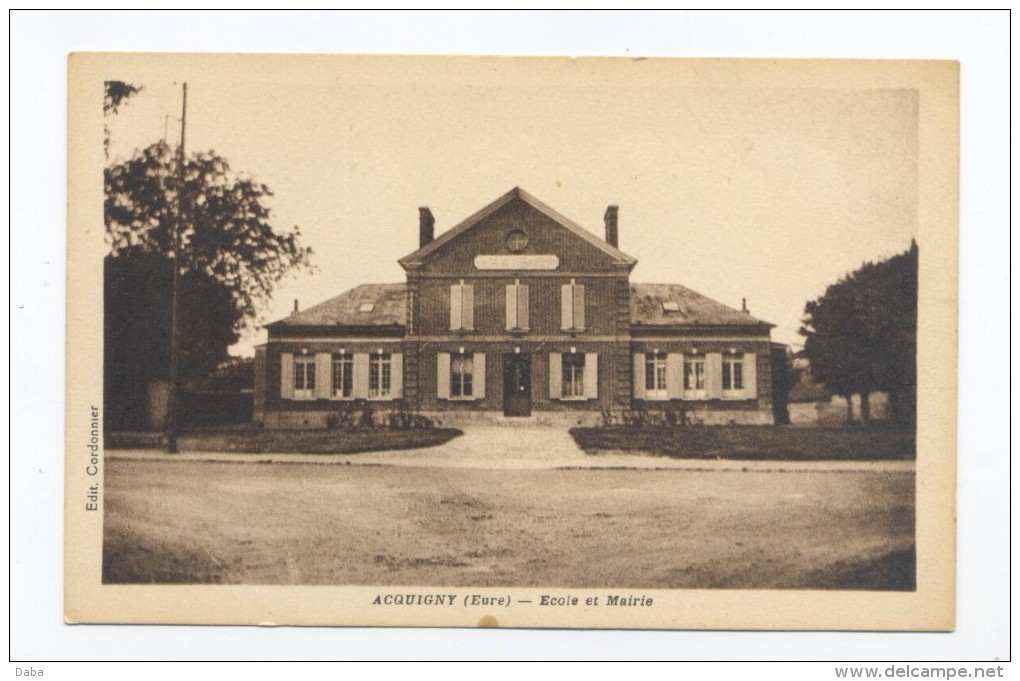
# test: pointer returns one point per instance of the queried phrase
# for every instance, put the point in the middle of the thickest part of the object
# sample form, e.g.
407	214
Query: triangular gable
516	193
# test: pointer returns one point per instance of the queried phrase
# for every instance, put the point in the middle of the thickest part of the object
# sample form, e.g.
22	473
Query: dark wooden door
516	384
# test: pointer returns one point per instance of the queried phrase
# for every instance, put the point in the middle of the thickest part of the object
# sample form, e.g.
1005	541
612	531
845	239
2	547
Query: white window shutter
523	321
750	376
639	375
567	306
287	376
361	376
479	376
555	375
591	375
713	375
511	306
579	306
674	375
455	307
323	375
468	306
443	375
396	375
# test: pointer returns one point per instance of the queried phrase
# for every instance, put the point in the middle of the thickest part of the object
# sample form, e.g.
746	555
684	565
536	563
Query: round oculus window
516	241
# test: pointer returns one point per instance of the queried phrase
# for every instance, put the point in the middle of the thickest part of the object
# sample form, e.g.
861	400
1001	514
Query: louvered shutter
591	375
468	306
360	376
555	375
578	296
713	375
323	375
287	376
639	375
674	375
455	307
396	375
511	307
443	375
567	306
479	376
523	318
750	376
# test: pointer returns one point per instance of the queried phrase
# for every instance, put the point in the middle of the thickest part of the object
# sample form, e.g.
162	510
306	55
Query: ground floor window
694	378
573	375
380	374
343	376
733	375
655	375
462	372
304	377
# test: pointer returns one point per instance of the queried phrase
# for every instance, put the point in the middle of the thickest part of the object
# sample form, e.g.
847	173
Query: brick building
516	312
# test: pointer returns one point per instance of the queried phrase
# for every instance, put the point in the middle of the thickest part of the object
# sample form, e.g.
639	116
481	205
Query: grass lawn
320	441
753	442
262	523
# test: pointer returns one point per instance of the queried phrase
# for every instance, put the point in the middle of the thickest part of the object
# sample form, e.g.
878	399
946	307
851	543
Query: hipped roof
389	308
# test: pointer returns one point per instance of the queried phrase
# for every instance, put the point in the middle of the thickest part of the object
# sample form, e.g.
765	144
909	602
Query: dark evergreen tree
861	335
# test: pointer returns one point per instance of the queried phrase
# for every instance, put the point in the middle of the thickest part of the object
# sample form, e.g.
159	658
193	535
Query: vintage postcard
511	342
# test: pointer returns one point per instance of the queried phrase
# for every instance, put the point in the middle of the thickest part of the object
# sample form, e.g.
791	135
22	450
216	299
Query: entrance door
516	384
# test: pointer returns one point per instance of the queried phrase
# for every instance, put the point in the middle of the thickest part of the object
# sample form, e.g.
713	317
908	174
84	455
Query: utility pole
173	404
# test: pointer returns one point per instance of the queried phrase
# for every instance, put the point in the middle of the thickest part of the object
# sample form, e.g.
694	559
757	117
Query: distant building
515	312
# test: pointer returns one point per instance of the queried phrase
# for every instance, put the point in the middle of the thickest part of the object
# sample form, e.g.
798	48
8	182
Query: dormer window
670	306
366	307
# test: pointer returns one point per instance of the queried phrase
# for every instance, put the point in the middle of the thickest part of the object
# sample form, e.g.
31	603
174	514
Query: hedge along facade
516	312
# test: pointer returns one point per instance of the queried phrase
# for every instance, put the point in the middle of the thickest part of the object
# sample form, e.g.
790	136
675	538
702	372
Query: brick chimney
612	232
426	226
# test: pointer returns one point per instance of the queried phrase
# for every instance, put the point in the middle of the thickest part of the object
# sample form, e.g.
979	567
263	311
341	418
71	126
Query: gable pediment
517	232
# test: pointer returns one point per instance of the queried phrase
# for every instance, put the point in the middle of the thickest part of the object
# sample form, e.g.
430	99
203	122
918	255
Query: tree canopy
861	335
215	227
225	233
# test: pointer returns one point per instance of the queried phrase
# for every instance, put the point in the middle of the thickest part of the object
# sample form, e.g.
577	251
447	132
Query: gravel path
506	448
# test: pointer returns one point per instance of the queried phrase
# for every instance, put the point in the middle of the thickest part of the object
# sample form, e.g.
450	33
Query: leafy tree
225	233
228	254
861	335
115	93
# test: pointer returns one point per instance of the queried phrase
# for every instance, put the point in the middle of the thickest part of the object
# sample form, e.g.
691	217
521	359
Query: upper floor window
304	377
343	376
655	375
572	306
380	374
733	375
517	304
462	307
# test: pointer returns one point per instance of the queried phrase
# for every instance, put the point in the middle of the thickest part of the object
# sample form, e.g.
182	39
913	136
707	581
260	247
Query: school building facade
516	313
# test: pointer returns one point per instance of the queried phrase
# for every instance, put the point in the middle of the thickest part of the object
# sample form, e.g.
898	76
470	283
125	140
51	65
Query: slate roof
516	193
647	310
388	309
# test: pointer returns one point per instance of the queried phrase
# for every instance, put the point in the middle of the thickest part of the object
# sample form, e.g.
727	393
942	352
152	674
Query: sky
734	185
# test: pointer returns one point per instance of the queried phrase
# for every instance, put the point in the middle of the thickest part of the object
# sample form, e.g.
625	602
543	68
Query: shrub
367	416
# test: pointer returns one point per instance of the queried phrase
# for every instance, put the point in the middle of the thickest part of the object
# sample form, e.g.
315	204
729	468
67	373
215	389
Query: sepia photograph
499	341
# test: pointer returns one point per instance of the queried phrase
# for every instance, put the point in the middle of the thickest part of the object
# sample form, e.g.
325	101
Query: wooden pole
173	403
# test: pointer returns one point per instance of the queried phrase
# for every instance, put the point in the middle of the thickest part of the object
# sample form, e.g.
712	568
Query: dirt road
276	523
